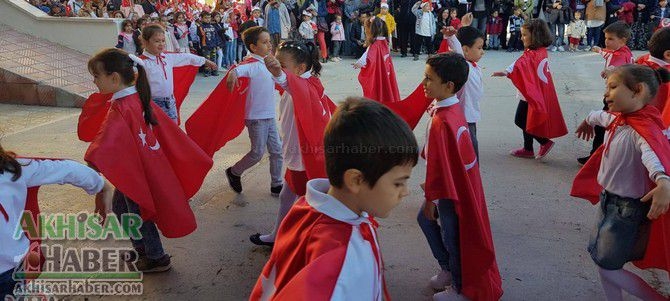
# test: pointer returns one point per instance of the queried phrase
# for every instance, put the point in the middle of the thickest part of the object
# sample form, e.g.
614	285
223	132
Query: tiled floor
41	72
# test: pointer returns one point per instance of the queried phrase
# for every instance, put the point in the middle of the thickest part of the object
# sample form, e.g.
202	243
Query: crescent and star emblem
143	137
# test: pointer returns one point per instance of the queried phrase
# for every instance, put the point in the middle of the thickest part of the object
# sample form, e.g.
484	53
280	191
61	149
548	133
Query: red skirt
296	181
574	41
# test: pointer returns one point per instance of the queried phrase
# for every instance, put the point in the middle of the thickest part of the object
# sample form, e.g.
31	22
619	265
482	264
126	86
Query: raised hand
467	19
273	65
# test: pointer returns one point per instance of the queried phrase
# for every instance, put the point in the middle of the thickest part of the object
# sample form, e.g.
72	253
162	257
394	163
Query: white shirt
629	161
13	199
425	25
261	93
287	126
473	91
159	70
363	60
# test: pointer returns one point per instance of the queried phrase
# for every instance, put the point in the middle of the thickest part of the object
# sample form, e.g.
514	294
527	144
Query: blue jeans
443	239
151	240
168	105
558	31
7	284
262	133
231	53
593	36
494	41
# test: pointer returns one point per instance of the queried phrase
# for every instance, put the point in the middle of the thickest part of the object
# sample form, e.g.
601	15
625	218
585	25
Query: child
231	44
640	28
576	31
209	41
17	176
424	29
469	42
622	175
171	44
221	32
661	12
126	41
388	19
181	33
453	192
659	57
302	122
625	12
327	247
616	53
159	67
377	76
160	163
447	19
515	24
538	113
337	37
494	29
222	116
307	28
137	34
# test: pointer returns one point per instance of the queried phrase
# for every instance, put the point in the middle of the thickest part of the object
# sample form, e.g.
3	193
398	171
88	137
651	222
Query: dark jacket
209	37
404	13
558	16
643	15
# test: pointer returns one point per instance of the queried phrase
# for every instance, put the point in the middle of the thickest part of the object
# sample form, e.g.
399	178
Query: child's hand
273	65
231	80
467	19
585	131
357	65
211	65
429	210
660	197
103	201
500	74
596	49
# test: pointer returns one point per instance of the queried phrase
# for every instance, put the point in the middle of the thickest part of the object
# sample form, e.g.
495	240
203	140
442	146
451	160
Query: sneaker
587	48
545	149
332	59
522	153
561	48
553	49
256	240
274	191
339	59
206	74
234	181
215	73
441	280
146	265
449	295
583	160
133	255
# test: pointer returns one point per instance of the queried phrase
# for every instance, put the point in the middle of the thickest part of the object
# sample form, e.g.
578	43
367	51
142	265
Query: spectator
505	9
480	11
322	27
515	23
424	28
307	28
626	12
337	37
576	31
278	21
640	29
661	12
181	32
448	17
493	29
595	18
357	36
125	40
75	6
149	7
388	19
527	7
350	15
558	14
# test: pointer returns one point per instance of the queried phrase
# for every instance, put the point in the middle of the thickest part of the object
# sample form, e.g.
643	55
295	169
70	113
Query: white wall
87	35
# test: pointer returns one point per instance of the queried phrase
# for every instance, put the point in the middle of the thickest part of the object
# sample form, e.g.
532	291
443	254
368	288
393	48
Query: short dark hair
620	29
251	35
450	67
659	43
367	136
468	35
540	36
205	14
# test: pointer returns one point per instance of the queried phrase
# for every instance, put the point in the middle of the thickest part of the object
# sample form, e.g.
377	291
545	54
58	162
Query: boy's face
263	46
474	53
425	8
384	10
433	87
495	14
388	192
662	3
517	12
613	42
578	16
256	14
207	19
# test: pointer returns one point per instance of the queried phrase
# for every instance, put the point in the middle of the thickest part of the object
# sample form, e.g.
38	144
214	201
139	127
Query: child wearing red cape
628	176
538	113
304	113
154	166
659	57
377	77
462	241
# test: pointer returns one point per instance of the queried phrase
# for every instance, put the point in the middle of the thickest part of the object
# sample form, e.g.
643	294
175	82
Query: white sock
615	281
286	200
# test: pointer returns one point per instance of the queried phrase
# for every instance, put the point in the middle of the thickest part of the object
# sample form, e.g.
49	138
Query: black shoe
206	74
234	181
403	55
416	58
215	73
133	255
276	190
146	265
256	240
583	160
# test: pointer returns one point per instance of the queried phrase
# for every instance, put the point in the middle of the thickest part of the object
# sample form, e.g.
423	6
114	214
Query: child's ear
666	55
353	180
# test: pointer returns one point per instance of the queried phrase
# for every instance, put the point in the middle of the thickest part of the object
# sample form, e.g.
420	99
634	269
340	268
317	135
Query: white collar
307	74
123	93
258	57
317	196
661	63
380	38
151	56
450	101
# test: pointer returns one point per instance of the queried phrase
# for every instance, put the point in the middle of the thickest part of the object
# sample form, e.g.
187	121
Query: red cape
444	46
411	108
648	124
312	111
662	94
378	76
620	57
532	78
95	108
158	167
452	172
220	118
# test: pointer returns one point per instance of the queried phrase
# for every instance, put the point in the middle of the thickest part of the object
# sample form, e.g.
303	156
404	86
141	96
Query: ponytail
144	91
314	55
9	164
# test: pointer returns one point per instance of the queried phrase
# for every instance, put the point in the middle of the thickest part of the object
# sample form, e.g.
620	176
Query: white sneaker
561	48
587	48
441	280
552	49
449	295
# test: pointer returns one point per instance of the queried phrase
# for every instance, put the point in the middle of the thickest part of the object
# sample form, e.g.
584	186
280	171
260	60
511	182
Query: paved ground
540	232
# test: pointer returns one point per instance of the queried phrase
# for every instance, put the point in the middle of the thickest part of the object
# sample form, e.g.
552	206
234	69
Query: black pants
503	34
515	41
419	41
520	120
405	34
599	137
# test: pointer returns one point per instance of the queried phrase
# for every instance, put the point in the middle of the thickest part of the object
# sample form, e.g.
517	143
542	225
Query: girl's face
128	28
217	18
578	16
106	83
495	14
118	15
156	44
338	20
620	98
525	37
180	19
445	14
288	63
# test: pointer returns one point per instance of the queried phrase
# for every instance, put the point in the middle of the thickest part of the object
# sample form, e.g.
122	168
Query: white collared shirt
473	91
287	126
659	62
159	70
123	93
261	94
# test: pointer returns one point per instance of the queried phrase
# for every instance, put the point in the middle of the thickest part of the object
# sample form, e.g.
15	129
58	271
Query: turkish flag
158	167
452	173
662	94
220	118
378	76
412	108
648	124
312	110
532	78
